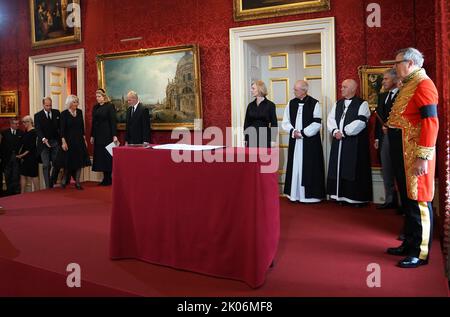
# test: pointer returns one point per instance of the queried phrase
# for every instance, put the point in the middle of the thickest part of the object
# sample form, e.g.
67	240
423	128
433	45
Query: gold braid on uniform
410	133
425	153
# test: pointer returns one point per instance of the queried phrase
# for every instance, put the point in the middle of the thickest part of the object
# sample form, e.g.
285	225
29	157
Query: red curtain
442	34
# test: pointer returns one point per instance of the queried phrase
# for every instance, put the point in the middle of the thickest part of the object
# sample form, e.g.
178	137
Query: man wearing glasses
413	128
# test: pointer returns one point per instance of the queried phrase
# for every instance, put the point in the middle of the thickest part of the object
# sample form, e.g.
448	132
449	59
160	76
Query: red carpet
324	251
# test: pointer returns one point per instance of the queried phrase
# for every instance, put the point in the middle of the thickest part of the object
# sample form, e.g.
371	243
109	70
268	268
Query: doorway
57	75
280	54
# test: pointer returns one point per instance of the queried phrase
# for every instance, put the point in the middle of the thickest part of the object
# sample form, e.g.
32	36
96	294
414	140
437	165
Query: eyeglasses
398	62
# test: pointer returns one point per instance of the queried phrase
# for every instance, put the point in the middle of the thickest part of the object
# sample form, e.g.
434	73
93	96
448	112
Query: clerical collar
350	98
411	76
303	100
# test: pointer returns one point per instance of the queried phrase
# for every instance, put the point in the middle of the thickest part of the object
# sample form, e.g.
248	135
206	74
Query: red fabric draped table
220	218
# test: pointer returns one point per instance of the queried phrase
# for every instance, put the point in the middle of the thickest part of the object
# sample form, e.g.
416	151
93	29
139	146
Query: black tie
390	98
132	111
48	116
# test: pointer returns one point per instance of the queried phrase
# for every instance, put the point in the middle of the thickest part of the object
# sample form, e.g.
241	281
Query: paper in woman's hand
110	147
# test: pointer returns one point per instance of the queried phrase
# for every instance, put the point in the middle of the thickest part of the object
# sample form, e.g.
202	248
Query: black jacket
45	128
10	145
138	125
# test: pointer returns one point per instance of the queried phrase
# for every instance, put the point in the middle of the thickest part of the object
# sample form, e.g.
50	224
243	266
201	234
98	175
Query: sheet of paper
187	147
110	147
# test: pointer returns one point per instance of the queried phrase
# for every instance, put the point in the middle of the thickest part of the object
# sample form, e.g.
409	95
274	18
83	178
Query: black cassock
349	172
313	170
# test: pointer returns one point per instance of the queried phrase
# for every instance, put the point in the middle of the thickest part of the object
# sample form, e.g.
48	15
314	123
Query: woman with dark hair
103	132
73	142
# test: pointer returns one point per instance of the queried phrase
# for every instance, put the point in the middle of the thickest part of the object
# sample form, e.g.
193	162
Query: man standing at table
137	121
349	172
414	114
305	173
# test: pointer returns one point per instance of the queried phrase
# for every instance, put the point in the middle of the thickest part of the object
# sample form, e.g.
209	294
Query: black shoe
411	262
78	186
387	206
401	250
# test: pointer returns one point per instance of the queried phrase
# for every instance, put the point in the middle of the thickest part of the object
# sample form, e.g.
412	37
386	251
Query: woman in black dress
73	142
260	119
103	132
27	156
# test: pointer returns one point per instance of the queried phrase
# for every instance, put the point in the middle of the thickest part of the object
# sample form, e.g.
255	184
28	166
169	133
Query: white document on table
187	147
110	147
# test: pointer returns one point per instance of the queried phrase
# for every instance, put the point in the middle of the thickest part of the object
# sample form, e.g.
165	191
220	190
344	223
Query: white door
56	85
279	66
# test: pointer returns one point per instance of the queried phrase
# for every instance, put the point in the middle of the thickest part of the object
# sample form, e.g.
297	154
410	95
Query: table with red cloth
220	218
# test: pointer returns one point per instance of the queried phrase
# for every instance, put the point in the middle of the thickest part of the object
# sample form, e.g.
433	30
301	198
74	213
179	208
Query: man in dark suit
11	144
385	102
137	121
47	124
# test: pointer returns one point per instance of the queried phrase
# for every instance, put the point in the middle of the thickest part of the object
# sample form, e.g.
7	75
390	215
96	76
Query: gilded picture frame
55	22
258	9
9	104
371	78
167	81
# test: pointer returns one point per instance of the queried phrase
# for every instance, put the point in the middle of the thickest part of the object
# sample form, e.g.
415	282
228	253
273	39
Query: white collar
393	90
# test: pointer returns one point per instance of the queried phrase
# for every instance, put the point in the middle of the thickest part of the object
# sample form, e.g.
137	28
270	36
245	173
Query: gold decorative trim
241	14
286	96
425	153
305	59
426	227
410	133
286	61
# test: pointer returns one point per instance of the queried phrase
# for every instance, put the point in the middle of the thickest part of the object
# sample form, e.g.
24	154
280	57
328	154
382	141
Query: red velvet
230	227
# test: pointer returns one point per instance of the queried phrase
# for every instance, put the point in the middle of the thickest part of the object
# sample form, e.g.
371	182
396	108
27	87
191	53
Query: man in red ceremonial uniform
413	128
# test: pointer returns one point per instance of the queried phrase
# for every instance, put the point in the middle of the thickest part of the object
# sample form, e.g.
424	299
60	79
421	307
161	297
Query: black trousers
418	226
398	166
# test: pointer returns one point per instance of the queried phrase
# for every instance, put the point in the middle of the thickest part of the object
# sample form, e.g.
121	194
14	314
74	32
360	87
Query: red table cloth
220	219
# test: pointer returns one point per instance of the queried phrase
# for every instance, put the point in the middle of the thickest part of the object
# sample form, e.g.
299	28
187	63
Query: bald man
305	173
137	121
349	173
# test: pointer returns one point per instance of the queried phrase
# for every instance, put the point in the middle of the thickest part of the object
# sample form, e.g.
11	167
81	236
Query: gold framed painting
55	22
371	78
167	81
9	103
258	9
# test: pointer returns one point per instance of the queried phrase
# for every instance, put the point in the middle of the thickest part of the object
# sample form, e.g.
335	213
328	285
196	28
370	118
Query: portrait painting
55	22
167	81
9	104
371	78
257	9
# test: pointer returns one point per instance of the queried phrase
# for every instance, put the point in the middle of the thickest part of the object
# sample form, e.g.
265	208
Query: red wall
207	23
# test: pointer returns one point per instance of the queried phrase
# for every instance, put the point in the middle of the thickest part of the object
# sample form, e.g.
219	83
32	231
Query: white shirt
354	127
391	93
